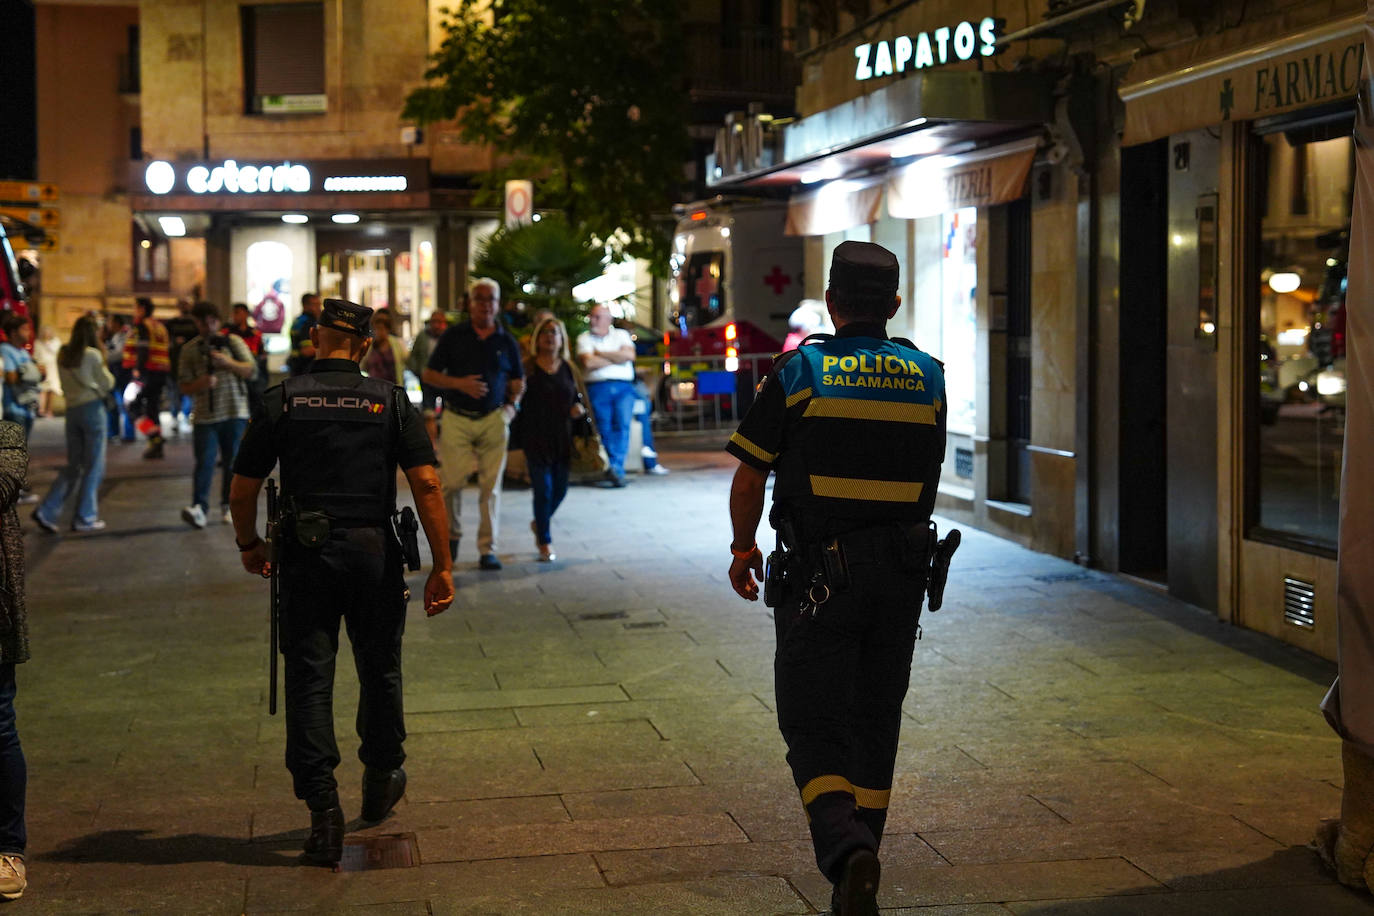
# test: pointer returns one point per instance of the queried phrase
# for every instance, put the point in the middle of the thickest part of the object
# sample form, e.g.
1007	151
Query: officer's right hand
438	591
741	579
472	385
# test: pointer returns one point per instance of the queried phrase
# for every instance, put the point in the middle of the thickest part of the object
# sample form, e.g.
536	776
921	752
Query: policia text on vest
337	439
854	428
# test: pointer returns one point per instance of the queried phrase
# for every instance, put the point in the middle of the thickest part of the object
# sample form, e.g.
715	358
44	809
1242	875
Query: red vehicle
13	297
736	277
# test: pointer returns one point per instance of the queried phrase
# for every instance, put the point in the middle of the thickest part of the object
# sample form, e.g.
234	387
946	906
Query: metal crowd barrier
703	393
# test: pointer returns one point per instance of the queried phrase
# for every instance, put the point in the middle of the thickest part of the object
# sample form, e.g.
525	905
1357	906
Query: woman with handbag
550	404
87	383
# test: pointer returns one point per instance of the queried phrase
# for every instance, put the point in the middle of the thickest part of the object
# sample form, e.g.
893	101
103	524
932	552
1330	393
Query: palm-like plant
540	263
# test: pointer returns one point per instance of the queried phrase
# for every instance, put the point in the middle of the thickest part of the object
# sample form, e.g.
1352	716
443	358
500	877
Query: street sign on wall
45	218
28	192
519	203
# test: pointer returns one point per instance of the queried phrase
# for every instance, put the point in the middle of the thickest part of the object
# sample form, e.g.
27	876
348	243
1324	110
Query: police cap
864	270
349	317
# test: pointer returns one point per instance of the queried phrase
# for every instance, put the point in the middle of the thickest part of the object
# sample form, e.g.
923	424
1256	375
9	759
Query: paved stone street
597	736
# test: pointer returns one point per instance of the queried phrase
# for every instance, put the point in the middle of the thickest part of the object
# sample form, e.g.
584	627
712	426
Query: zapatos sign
964	41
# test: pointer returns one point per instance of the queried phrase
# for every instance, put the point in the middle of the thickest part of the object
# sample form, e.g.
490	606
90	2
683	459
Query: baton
275	595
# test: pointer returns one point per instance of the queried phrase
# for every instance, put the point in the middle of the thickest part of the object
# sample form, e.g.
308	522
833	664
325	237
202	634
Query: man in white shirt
607	356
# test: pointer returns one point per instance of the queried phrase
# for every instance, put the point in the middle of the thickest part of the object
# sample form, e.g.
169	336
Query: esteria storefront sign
946	44
245	178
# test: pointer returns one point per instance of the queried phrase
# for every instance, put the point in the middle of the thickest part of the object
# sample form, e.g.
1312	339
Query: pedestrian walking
302	350
607	357
23	375
420	351
480	376
180	329
14	650
854	428
214	370
339	438
45	354
148	359
87	382
241	326
386	359
116	333
551	402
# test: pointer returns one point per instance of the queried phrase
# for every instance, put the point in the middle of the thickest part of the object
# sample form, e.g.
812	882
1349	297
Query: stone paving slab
597	735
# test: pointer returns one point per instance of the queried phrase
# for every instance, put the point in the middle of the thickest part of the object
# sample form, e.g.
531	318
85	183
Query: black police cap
863	269
349	317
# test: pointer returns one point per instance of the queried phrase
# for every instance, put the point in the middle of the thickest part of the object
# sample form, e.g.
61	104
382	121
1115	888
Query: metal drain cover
397	850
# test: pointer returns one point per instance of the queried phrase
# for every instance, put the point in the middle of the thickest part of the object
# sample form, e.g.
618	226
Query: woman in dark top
551	402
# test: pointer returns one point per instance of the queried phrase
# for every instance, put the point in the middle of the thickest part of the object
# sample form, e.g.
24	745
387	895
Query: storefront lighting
145	244
1285	282
1302	385
1208	327
1329	383
725	232
174	227
824	172
346	218
1331	262
921	144
365	183
1176	239
296	218
1293	337
160	177
536	217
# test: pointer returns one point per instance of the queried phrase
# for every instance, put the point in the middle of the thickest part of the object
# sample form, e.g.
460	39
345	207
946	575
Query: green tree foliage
540	263
584	98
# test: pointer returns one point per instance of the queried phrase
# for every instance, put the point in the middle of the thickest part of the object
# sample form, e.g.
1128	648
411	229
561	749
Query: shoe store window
1302	172
283	58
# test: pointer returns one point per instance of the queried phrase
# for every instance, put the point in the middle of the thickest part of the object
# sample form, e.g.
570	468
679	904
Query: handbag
588	455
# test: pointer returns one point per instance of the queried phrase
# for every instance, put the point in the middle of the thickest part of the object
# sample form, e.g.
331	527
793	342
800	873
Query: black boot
382	789
154	449
453	549
324	846
857	892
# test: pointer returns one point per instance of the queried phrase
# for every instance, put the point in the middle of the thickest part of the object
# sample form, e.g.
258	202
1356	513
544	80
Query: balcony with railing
734	63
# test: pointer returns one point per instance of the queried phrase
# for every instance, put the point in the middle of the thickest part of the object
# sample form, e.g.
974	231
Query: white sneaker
27	498
14	877
647	452
193	516
97	525
225	515
657	470
183	425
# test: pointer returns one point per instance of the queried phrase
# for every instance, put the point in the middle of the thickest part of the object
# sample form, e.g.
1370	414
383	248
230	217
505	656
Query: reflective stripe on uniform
888	491
862	409
753	449
799	396
823	784
875	799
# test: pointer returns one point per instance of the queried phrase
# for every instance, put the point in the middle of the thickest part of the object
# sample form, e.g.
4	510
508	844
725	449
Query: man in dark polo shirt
477	370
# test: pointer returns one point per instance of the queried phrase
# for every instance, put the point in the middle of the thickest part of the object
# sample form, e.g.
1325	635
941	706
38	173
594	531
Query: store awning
980	178
933	112
1265	68
835	206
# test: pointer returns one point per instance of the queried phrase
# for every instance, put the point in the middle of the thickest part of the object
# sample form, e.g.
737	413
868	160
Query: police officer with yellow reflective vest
854	427
339	438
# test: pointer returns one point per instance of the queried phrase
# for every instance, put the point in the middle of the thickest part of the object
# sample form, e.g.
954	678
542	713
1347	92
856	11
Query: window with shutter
283	58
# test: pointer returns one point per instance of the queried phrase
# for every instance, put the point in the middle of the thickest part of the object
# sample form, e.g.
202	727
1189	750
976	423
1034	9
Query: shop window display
1305	185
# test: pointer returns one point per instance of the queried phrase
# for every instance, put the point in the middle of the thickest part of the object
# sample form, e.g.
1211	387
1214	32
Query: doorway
1143	362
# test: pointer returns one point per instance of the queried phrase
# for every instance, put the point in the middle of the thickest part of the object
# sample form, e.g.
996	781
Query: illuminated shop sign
231	177
964	41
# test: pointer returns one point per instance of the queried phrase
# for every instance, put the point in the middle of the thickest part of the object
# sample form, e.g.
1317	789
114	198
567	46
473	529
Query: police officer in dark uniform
339	438
854	428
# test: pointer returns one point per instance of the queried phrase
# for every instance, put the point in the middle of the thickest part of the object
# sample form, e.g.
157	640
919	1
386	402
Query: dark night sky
18	104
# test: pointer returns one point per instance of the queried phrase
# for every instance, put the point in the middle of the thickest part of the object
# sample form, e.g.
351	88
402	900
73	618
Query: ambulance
735	277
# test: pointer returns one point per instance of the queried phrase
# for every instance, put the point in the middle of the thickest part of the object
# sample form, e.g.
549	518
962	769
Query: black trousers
356	576
841	673
149	401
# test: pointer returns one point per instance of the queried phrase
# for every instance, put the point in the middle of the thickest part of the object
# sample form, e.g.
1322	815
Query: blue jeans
14	773
119	417
549	483
85	467
613	404
646	426
207	439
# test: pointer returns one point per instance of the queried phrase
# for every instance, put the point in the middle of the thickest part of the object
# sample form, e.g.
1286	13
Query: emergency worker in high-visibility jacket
854	428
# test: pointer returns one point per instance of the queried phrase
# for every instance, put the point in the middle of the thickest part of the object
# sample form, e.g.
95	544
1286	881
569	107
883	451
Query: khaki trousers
467	445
